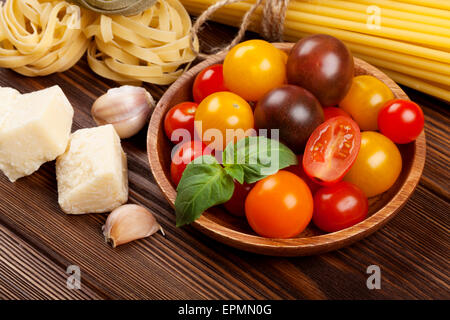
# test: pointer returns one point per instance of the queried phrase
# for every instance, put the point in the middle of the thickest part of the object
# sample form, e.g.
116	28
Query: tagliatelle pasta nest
149	47
40	37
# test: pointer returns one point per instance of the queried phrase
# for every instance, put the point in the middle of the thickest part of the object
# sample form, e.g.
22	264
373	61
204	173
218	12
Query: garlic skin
128	223
127	108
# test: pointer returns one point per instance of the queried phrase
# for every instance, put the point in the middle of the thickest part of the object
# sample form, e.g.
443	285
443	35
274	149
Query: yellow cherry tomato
253	68
223	117
366	97
377	165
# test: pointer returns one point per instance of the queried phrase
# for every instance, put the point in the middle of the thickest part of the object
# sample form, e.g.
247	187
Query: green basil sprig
206	183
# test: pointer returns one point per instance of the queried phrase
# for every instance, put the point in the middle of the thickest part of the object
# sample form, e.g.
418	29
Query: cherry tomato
377	166
253	68
298	170
221	112
331	150
339	206
322	65
180	117
183	155
279	206
331	112
208	81
401	120
236	205
284	55
366	97
293	111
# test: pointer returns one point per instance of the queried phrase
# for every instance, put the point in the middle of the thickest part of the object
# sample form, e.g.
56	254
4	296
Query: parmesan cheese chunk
92	174
34	129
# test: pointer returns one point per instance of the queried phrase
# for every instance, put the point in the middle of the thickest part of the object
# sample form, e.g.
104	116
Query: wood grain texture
235	232
36	276
412	250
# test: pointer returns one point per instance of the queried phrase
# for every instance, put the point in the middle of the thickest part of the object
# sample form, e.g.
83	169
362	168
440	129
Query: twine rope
272	22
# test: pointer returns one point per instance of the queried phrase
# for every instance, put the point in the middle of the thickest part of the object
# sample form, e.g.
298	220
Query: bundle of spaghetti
149	47
407	39
38	38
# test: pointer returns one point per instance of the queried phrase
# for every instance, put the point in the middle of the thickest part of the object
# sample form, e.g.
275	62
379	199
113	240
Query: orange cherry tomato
223	117
253	68
279	206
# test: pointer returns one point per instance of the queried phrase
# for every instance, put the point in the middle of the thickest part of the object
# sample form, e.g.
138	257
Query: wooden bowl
233	231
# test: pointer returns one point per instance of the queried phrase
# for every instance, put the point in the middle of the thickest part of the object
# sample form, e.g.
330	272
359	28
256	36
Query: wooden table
38	241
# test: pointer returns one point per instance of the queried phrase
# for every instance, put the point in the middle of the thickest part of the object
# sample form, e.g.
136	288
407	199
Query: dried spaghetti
409	39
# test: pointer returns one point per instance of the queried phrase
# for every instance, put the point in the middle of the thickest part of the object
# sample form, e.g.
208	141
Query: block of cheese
92	174
8	97
34	128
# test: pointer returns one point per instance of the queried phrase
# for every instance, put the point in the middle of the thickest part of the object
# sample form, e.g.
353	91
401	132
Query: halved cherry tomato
183	155
236	205
339	206
331	112
181	116
208	81
331	150
401	120
279	206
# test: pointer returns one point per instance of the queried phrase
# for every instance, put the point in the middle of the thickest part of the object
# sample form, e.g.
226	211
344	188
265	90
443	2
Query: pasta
148	47
412	42
41	37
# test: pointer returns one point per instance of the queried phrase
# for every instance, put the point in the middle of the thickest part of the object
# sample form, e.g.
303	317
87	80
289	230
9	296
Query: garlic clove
128	223
127	108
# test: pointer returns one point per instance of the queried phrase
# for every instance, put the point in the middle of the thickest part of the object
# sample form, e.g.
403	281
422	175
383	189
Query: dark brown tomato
292	110
323	65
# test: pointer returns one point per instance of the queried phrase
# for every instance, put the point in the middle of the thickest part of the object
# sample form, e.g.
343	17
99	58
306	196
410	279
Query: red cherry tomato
331	112
183	155
300	172
182	116
331	150
401	120
236	205
208	81
339	206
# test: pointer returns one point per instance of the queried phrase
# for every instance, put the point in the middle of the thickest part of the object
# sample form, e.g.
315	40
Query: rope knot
272	22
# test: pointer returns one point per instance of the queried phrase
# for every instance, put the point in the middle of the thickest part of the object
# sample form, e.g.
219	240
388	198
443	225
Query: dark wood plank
28	274
412	250
437	114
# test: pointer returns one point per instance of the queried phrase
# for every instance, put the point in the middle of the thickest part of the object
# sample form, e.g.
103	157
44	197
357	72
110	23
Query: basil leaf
236	171
259	157
204	184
